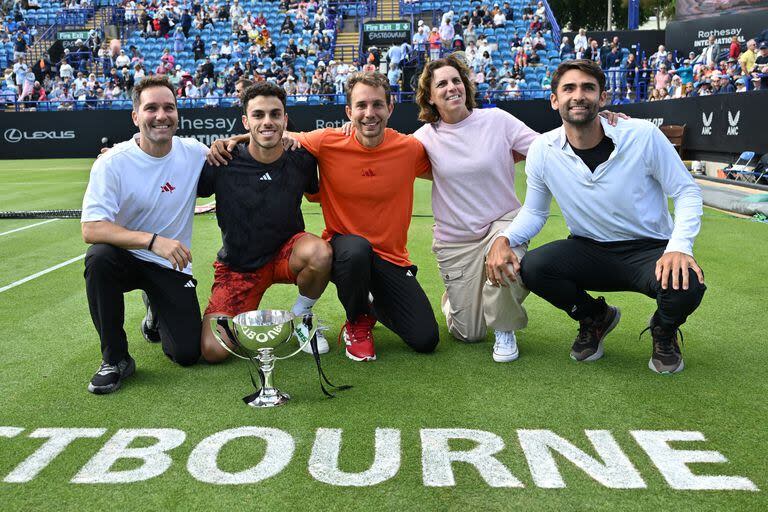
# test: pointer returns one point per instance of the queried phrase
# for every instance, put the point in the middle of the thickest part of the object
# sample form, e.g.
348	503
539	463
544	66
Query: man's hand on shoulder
222	150
676	264
613	117
346	128
501	264
290	141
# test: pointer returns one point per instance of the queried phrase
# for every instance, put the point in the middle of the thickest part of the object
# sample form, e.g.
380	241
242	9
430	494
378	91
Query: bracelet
152	242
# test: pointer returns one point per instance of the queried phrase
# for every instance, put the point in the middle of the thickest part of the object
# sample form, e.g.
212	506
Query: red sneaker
358	338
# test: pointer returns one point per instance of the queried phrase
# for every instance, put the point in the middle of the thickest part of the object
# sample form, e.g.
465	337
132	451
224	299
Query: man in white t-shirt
137	214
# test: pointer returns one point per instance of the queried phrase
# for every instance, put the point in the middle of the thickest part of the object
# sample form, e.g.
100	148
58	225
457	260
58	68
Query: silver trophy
258	336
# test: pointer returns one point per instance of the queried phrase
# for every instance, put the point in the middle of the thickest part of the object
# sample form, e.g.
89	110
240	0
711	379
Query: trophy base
271	397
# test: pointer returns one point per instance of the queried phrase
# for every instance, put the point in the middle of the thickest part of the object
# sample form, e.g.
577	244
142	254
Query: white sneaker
302	332
505	348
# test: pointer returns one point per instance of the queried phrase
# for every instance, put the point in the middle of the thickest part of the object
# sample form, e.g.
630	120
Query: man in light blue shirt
612	185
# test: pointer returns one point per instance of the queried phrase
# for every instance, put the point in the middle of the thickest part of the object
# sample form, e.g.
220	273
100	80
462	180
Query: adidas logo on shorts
266	177
190	284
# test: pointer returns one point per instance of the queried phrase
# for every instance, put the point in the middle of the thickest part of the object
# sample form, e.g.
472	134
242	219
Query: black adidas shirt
258	206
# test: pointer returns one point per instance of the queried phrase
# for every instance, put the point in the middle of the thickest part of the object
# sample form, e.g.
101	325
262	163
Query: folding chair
738	170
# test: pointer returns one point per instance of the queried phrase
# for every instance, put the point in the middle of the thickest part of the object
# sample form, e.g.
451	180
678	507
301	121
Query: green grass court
50	350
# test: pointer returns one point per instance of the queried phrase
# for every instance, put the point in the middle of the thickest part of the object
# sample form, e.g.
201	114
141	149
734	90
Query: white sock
303	305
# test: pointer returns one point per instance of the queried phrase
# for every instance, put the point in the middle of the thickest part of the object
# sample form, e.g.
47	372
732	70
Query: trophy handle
225	323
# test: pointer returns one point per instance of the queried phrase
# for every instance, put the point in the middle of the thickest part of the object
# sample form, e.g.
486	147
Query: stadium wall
716	125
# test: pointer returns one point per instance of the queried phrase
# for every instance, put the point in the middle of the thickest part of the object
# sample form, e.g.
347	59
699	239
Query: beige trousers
470	304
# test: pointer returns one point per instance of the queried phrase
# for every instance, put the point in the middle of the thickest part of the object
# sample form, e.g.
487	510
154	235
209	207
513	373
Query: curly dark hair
261	89
428	112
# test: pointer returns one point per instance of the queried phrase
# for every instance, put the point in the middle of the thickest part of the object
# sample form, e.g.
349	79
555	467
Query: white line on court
27	227
41	273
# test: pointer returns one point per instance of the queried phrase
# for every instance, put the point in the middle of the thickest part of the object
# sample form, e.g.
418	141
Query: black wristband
152	242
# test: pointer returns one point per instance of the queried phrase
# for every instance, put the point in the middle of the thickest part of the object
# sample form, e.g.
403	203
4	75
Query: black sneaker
149	325
588	345
666	358
110	376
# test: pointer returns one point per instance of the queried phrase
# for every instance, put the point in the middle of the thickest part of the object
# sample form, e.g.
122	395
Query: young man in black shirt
258	206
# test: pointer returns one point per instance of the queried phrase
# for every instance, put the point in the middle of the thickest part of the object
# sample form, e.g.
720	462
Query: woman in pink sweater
473	153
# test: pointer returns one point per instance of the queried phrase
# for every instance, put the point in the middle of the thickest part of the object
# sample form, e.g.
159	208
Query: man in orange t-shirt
366	190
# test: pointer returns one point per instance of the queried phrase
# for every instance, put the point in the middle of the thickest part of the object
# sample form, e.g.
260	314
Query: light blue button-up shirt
625	198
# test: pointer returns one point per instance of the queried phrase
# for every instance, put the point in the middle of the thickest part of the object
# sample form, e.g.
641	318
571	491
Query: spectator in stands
721	84
66	100
167	58
43	68
508	11
748	57
179	39
604	51
685	72
741	85
662	78
593	52
538	42
122	60
705	88
214	53
135	55
761	66
38	93
225	52
19	46
676	88
630	74
711	52
657	58
469	35
434	44
446	33
499	18
198	47
580	43
670	62
288	26
613	69
644	75
535	25
458	43
566	48
534	59
65	70
735	49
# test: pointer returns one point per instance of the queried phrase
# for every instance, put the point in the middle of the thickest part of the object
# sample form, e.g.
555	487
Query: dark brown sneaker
666	358
588	345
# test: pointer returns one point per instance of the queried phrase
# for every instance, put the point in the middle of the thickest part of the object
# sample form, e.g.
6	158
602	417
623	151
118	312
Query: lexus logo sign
12	135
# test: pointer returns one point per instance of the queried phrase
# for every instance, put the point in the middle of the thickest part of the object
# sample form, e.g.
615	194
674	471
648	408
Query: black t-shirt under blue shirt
596	155
258	206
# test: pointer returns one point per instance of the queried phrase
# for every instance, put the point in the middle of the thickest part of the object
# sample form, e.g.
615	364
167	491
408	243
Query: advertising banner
725	124
692	35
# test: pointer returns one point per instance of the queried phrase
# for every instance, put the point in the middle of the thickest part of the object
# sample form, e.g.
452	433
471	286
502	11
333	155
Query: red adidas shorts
236	292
